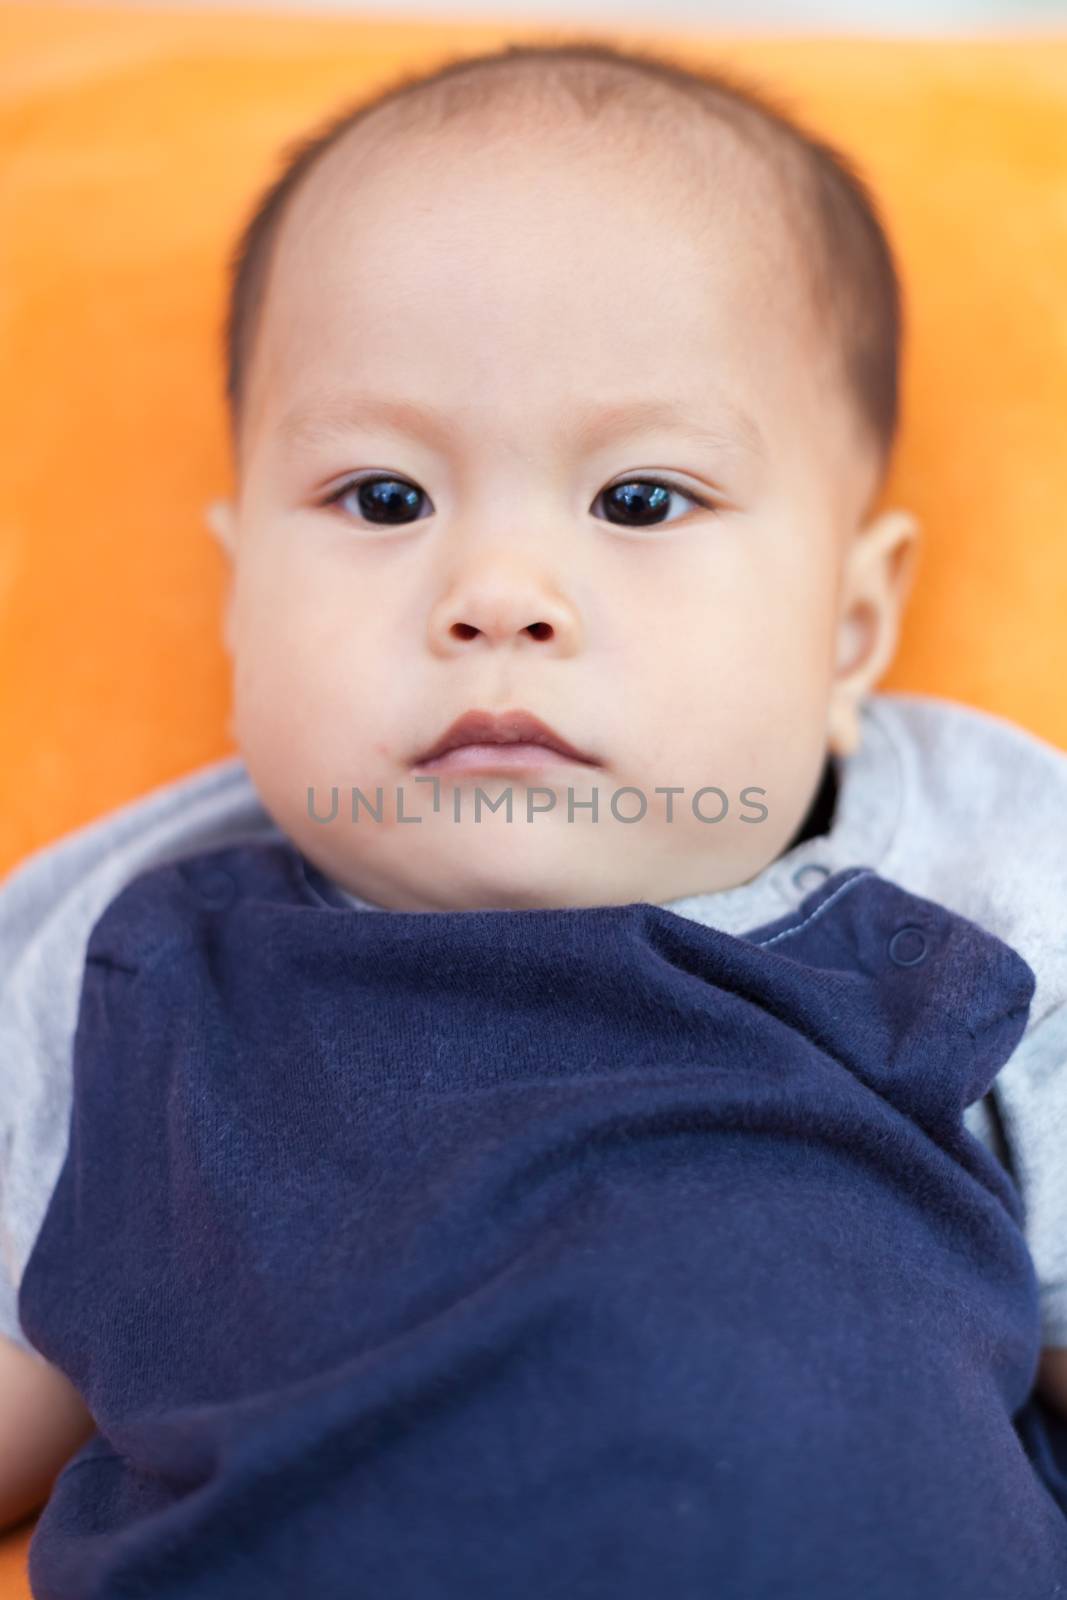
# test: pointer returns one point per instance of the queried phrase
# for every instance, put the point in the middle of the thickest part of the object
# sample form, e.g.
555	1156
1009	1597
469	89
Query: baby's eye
642	501
382	500
390	502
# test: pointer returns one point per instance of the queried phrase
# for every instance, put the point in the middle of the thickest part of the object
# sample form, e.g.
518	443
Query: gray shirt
951	803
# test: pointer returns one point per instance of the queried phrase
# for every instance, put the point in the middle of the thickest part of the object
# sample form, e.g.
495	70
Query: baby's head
562	380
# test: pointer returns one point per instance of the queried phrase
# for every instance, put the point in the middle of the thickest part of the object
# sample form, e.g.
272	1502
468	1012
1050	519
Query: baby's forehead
723	178
344	284
714	188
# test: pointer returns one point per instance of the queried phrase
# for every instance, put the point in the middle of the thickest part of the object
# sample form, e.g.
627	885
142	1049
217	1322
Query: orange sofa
131	143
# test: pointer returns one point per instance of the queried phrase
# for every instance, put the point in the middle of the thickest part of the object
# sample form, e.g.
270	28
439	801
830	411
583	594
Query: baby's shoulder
962	752
983	825
69	896
50	903
168	910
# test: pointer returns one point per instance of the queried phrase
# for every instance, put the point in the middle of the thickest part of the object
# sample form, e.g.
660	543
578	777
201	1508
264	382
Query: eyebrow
331	417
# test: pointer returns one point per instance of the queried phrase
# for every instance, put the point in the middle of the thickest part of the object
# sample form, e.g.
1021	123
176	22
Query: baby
563	386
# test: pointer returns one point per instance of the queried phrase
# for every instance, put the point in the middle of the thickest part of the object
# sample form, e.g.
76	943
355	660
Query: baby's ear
219	516
876	581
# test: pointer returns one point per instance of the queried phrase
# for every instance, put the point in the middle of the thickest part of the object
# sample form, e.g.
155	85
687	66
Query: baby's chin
491	865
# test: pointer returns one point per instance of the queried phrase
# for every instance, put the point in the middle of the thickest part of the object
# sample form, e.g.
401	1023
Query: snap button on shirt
810	875
217	887
907	947
580	1252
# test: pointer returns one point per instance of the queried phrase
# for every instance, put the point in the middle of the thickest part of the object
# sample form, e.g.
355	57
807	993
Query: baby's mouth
498	758
501	741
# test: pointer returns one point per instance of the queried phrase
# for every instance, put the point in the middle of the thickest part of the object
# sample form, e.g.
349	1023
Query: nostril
536	630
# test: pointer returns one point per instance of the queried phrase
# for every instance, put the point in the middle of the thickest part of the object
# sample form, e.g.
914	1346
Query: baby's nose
504	607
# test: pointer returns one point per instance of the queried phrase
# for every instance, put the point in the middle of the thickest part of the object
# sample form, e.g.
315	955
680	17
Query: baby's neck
820	814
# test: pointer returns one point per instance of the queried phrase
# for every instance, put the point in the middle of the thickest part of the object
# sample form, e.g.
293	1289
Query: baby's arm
1029	1096
1051	1382
43	1421
48	904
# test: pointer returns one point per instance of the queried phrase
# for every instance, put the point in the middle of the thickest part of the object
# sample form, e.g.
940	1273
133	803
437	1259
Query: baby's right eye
383	501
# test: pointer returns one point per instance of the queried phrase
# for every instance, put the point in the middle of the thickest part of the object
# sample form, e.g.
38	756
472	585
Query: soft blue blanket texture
507	1255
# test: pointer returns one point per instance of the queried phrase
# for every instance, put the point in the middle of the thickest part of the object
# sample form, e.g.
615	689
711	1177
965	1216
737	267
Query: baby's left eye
644	500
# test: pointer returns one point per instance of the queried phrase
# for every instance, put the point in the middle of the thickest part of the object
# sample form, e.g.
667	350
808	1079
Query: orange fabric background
131	144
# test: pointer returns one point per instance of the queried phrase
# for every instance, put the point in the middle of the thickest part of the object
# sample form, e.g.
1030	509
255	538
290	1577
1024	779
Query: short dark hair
851	263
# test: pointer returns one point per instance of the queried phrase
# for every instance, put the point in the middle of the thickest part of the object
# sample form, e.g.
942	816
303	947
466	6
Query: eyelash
387	477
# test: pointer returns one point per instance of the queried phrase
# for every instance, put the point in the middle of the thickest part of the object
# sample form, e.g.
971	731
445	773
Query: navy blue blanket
579	1253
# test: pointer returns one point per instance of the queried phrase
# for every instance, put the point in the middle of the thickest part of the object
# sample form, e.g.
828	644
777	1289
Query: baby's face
523	346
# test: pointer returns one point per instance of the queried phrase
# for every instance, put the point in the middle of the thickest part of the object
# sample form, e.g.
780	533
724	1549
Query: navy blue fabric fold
588	1253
